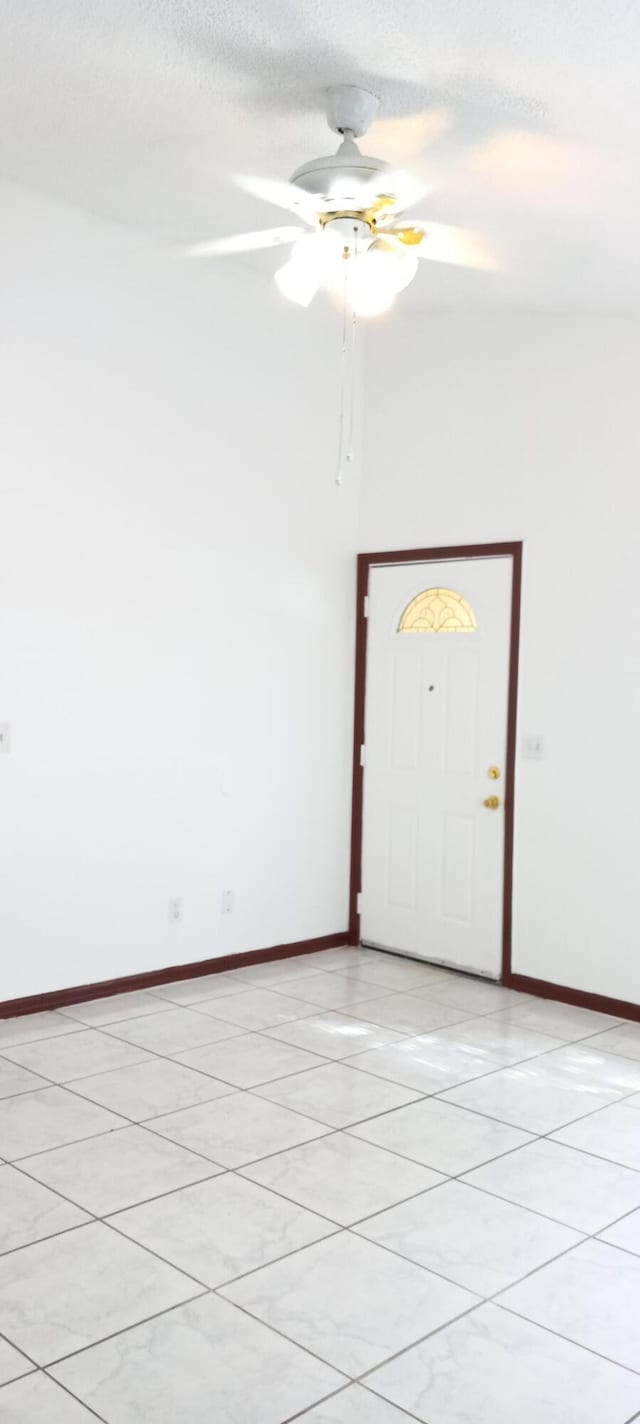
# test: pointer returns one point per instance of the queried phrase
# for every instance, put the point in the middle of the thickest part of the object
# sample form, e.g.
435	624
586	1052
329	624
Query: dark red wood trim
512	549
57	998
510	767
578	998
446	551
358	739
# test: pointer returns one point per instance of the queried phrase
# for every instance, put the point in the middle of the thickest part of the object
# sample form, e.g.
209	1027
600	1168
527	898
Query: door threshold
432	963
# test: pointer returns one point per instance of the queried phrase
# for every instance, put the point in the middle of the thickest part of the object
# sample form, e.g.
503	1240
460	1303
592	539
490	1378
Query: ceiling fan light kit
352	239
353	244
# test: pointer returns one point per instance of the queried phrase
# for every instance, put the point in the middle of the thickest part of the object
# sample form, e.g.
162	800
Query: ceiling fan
351	238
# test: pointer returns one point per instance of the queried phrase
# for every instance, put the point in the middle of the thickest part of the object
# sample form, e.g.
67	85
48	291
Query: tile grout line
349	1380
439	1096
76	1398
352	1384
495	1301
169	1058
420	1098
332	1131
105	1028
509	1310
302	1248
339	1226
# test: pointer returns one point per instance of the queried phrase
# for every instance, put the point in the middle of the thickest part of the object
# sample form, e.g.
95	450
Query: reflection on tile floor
345	1188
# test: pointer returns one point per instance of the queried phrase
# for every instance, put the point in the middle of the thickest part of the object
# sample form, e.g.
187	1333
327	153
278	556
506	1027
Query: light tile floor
342	1189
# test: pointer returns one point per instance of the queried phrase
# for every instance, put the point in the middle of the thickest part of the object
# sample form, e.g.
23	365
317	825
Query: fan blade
436	242
391	193
247	241
282	195
404	138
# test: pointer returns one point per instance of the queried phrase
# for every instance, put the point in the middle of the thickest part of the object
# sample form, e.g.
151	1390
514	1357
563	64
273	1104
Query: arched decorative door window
438	610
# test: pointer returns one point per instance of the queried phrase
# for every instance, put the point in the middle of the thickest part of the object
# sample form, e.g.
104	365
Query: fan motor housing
337	181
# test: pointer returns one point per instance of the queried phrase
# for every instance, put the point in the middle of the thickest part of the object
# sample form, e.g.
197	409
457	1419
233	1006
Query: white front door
435	735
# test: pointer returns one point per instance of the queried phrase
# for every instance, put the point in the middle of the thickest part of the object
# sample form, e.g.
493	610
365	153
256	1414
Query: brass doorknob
492	802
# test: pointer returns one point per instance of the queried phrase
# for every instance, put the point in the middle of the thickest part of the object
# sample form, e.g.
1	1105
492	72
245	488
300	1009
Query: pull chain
347	384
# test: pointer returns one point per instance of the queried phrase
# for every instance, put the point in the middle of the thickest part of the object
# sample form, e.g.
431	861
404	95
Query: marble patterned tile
342	1178
624	1040
194	991
106	1174
492	1368
572	1187
473	1239
256	1009
44	1313
336	1094
14	1080
12	1365
147	1089
279	971
425	1063
220	1229
347	957
560	1020
355	1405
590	1296
250	1059
334	1035
625	1233
396	972
95	1012
27	1028
500	1040
202	1357
479	996
237	1129
173	1031
409	1013
584	1063
30	1212
50	1117
532	1096
612	1133
446	1138
75	1055
338	991
350	1302
38	1398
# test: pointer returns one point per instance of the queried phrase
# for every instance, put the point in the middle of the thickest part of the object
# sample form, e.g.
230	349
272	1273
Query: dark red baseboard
578	998
57	998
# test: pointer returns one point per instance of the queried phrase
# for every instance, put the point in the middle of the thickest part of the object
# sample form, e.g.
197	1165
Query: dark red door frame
426	556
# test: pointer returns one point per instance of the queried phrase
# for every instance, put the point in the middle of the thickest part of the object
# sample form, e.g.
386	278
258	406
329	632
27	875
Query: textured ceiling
523	114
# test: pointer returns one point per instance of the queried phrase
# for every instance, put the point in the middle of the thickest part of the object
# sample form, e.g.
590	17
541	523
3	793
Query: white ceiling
523	113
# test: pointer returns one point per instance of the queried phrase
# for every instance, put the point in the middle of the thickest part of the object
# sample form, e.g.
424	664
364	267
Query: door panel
402	857
435	721
456	870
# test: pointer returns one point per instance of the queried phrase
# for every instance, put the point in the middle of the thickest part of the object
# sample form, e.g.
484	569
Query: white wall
176	599
508	427
176	576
